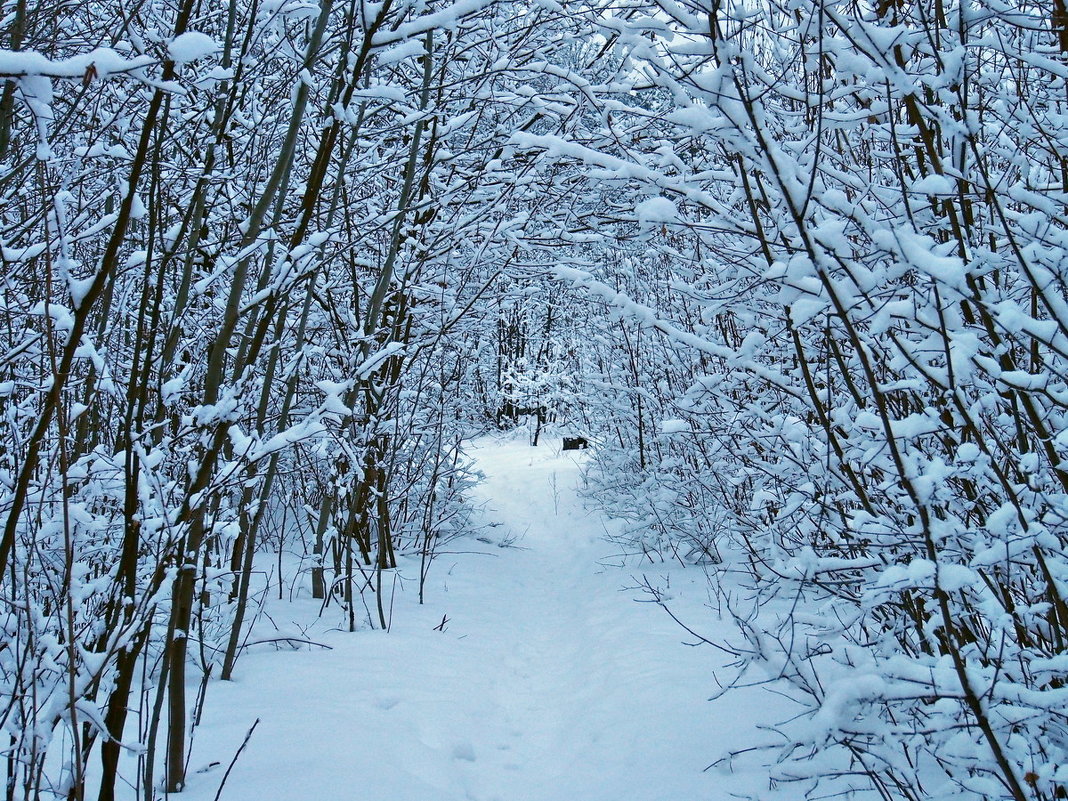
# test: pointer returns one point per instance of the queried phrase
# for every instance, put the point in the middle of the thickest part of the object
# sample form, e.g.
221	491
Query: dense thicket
240	246
840	366
266	264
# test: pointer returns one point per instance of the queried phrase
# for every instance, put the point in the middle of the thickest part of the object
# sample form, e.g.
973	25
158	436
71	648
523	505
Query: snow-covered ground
550	680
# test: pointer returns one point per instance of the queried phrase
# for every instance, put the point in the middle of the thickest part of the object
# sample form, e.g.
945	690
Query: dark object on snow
576	443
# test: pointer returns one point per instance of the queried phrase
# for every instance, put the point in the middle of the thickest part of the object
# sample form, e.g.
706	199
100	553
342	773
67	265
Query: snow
190	46
103	61
674	426
448	17
656	210
546	681
934	185
79	288
400	52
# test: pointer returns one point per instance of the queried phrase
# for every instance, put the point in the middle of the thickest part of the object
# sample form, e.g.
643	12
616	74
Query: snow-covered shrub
875	197
240	243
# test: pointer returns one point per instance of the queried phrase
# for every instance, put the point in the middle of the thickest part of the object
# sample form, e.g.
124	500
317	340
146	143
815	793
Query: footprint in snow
464	751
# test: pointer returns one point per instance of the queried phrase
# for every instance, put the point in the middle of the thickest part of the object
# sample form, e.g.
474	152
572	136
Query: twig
658	599
233	761
289	640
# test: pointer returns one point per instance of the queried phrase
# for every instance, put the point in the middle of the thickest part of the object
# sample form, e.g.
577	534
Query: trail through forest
799	268
549	680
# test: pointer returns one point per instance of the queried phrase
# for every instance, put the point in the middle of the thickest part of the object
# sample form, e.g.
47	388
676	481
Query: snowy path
549	682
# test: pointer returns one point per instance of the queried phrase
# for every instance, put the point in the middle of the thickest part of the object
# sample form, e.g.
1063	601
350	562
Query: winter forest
285	282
